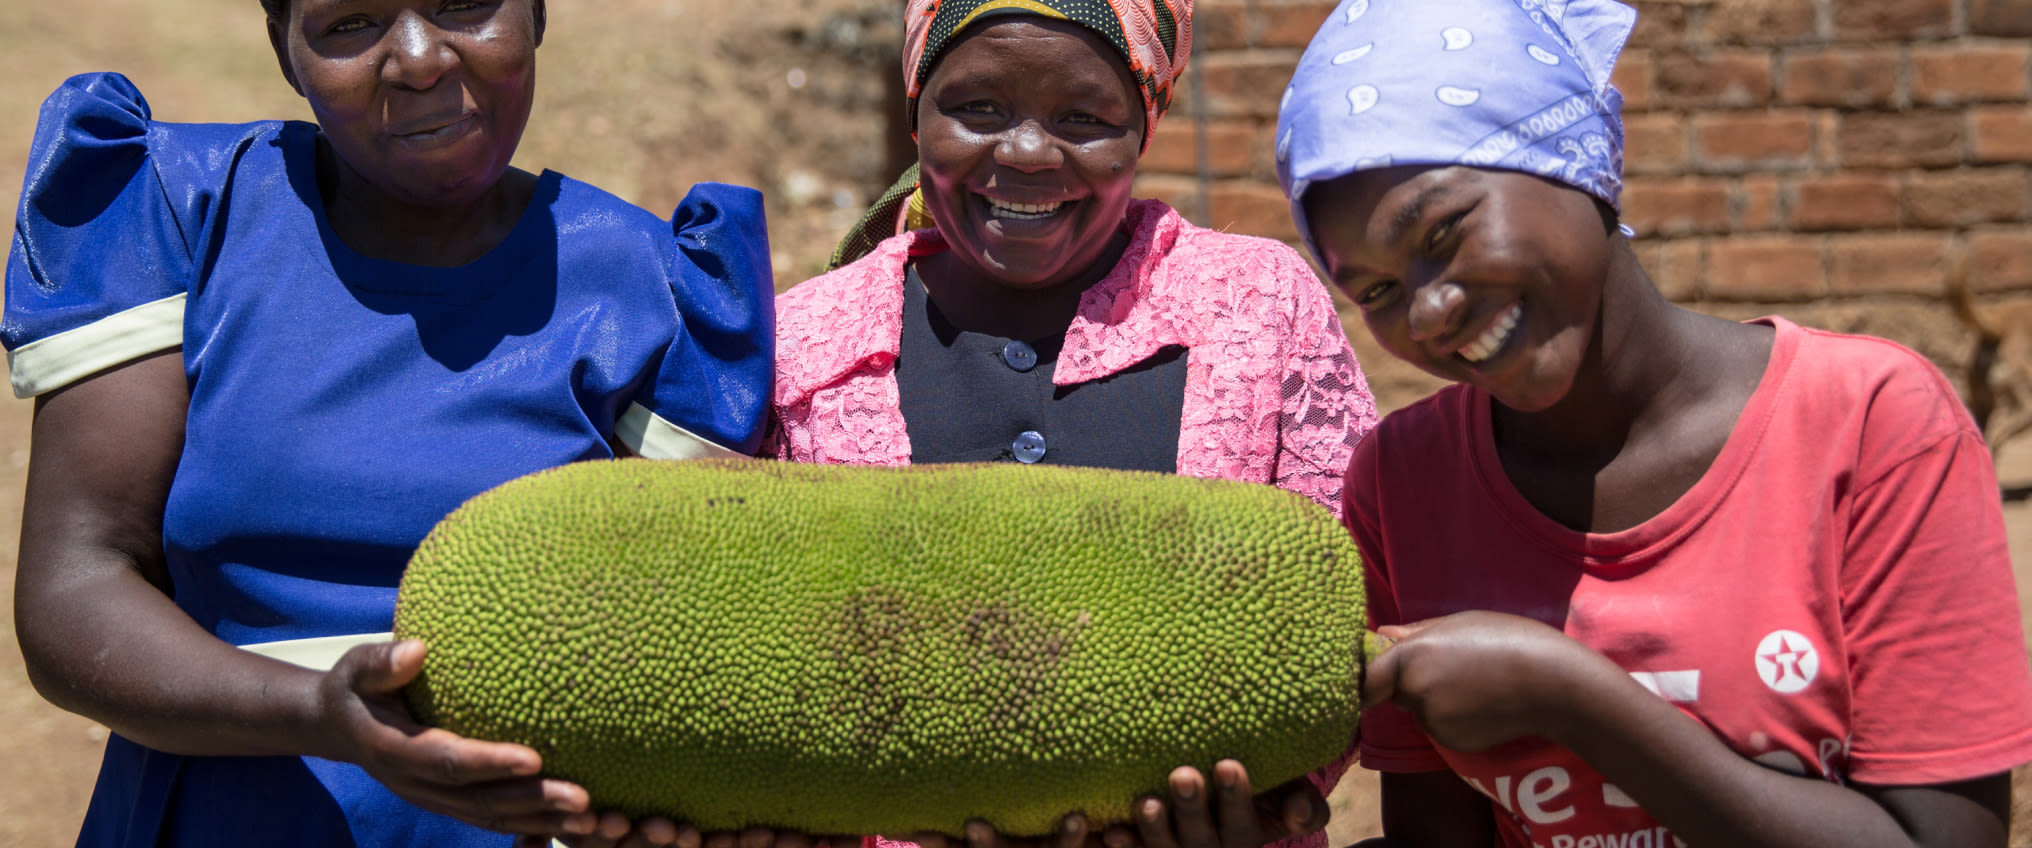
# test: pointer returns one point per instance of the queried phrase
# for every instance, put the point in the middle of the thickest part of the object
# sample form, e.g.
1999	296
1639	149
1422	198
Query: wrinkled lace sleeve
836	336
1326	406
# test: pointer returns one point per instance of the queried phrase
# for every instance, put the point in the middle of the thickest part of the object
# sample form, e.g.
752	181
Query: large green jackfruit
888	650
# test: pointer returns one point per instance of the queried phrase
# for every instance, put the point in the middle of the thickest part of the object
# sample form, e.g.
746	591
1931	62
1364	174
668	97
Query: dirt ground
644	98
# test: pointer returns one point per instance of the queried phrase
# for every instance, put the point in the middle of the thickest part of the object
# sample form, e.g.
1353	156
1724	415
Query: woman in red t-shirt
1659	578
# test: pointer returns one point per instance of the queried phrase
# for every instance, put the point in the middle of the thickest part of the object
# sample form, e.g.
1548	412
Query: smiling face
1492	278
425	100
1028	131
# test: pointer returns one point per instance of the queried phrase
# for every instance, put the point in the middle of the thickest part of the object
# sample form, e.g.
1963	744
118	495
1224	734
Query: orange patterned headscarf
1154	37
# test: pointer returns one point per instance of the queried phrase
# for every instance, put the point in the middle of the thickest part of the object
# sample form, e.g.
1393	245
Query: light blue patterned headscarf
1521	85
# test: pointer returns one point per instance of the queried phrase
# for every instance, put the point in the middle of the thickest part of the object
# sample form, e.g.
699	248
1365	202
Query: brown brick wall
1824	159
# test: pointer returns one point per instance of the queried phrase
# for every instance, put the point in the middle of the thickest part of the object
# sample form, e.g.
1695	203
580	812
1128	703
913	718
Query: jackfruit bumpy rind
888	650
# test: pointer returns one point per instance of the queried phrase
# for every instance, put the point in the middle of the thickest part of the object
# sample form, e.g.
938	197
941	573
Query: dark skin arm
1475	680
102	637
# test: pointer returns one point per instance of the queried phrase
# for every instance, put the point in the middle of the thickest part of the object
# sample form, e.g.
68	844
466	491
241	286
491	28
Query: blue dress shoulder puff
340	405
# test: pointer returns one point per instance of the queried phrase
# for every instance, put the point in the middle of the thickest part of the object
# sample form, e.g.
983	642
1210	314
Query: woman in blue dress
268	357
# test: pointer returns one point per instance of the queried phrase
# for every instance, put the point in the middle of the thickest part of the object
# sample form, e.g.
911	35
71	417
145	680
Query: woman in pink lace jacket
1041	314
1032	311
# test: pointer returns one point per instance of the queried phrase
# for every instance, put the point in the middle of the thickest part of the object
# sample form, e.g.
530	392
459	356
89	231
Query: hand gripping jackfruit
887	650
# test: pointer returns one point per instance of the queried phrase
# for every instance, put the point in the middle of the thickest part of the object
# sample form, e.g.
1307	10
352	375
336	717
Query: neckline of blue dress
531	238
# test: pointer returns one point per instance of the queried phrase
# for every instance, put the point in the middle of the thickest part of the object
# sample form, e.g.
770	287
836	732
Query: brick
2002	18
2000	259
1900	140
1879	263
1674	266
1675	207
1969	74
1182	98
1250	208
1753	206
1727	78
1759	22
1659	24
1237	25
1247	83
1839	77
1734	141
1826	132
1180	193
1232	147
1843	201
1893	20
1654	143
1634	77
1221	26
1289	24
2000	134
1961	198
1765	268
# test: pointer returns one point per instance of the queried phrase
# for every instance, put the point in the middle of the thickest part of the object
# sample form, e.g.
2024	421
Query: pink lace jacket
1272	392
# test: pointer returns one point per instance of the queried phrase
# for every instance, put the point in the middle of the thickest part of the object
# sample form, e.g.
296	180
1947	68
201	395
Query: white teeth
1022	211
1492	340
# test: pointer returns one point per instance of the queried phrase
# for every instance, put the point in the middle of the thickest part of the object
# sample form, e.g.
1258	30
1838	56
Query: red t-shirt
1833	598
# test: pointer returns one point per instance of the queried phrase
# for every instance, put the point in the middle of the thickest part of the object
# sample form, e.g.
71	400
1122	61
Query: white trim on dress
318	653
57	361
649	435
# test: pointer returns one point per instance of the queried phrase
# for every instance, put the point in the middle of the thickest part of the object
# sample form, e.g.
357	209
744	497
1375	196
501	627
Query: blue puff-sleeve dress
340	405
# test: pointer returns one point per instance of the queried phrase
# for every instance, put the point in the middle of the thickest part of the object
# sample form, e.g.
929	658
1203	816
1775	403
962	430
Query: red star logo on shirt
1787	661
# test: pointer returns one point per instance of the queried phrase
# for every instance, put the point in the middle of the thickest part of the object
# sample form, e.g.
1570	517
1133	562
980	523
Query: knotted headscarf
1153	36
1520	85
